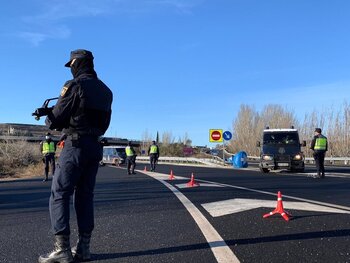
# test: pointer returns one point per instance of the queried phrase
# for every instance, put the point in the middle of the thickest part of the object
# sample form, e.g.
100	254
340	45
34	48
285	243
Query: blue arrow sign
227	135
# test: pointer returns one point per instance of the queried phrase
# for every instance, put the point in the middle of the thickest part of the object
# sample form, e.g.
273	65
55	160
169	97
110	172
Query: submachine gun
44	110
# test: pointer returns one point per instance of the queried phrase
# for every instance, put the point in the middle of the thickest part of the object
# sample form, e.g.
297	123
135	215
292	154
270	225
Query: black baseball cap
79	53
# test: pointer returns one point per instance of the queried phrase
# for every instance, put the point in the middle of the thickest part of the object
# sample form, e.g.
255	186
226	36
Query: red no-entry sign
215	135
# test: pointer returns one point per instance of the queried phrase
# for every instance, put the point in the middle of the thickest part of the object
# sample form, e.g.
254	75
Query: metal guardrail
330	160
184	160
217	161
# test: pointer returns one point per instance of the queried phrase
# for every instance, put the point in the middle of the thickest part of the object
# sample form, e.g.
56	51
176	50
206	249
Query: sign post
216	135
227	136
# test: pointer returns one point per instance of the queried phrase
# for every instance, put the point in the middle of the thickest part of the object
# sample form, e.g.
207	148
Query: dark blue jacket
84	106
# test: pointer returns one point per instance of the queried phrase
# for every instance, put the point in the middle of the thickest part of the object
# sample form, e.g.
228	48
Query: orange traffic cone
279	209
192	182
171	176
145	169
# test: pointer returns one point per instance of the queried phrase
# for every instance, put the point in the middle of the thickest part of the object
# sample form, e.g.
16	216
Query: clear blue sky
180	66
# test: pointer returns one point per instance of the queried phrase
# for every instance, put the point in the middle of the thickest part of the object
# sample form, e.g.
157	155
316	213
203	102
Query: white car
113	155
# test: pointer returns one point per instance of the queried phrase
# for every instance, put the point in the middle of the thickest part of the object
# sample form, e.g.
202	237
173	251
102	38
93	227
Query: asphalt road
149	218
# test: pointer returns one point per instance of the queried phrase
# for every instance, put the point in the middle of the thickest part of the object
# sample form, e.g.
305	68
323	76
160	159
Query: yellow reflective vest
48	147
320	144
154	149
129	151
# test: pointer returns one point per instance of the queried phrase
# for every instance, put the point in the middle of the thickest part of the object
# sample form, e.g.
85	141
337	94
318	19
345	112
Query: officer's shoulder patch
64	90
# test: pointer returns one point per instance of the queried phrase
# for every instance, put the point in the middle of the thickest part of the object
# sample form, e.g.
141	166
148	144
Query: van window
107	151
280	138
120	150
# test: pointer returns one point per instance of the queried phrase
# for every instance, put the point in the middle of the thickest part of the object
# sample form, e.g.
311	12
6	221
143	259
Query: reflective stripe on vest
320	144
128	151
154	149
48	147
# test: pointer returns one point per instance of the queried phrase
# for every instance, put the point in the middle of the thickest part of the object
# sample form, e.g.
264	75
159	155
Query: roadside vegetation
20	159
23	159
335	124
168	146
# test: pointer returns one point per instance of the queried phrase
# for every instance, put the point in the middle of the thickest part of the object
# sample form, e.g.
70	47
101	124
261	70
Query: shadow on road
237	242
156	251
288	237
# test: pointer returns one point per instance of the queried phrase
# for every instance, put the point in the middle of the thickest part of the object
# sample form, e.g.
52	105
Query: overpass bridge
33	139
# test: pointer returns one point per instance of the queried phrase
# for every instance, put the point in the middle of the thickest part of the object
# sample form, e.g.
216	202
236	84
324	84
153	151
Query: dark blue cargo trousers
75	175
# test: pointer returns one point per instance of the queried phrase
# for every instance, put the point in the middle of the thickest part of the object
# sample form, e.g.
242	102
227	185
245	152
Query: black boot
81	252
62	252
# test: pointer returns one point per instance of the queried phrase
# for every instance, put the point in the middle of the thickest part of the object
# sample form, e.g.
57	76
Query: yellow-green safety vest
154	149
321	144
48	147
128	151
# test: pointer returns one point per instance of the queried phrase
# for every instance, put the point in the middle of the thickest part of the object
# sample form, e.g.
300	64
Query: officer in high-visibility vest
319	145
153	153
48	150
130	158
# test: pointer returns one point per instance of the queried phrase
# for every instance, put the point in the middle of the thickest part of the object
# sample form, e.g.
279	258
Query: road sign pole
223	151
227	135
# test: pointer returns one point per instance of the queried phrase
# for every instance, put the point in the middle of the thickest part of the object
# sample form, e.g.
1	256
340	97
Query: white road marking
274	194
283	172
236	205
336	175
201	184
261	192
164	176
220	249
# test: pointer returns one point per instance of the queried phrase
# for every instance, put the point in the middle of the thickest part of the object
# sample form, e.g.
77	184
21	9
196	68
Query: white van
113	155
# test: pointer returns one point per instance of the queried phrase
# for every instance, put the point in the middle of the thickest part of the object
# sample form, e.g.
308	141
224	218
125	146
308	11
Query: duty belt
77	136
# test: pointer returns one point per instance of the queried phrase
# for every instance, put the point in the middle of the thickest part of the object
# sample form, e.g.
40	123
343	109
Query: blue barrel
240	160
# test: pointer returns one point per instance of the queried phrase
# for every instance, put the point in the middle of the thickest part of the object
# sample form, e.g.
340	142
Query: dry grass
32	170
19	159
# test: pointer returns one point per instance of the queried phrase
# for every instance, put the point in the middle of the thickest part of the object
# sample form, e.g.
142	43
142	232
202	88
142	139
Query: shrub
15	155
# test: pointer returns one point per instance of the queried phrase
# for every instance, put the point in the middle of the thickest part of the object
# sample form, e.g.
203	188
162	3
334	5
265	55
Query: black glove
39	112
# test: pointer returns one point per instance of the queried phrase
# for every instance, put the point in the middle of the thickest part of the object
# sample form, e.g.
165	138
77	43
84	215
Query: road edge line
218	246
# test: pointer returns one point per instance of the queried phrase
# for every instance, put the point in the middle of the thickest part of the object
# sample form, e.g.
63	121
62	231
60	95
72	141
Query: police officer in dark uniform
83	113
319	145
